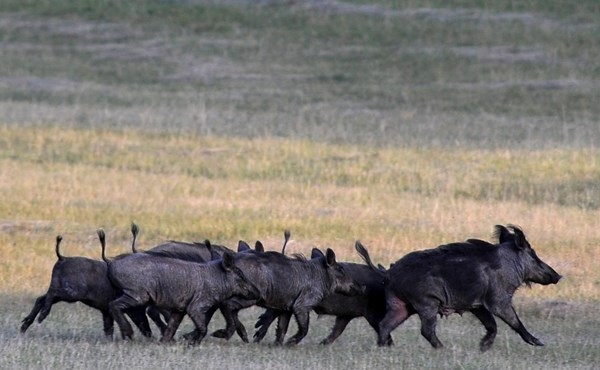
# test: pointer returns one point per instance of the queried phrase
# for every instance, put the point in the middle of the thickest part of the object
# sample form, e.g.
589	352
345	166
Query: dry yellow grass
188	187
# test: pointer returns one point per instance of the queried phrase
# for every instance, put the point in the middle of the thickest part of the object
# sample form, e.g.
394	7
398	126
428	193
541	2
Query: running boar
473	276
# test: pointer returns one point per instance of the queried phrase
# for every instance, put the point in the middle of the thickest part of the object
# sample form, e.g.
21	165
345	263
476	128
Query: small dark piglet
80	279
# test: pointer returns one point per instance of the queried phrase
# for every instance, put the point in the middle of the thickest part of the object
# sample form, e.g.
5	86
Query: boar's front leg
282	327
195	334
489	323
509	316
302	317
200	317
338	328
232	324
428	318
174	320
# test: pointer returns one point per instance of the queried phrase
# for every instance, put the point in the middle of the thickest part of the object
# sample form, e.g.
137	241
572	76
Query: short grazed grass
72	335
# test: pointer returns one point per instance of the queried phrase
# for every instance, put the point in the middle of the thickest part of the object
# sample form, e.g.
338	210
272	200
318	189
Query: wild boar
182	287
474	276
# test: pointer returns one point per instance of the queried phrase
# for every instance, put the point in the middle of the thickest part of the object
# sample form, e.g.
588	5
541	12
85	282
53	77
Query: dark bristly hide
472	276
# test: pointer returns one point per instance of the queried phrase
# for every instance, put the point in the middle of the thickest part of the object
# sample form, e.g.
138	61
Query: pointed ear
243	246
330	257
259	247
520	239
503	234
227	262
316	253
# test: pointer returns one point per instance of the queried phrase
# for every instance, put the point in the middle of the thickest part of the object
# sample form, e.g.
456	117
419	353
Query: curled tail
57	249
102	237
286	236
134	231
362	251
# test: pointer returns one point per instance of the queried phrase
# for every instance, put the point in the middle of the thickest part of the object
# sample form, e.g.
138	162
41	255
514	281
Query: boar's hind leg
39	302
116	308
338	328
154	314
49	300
374	321
396	314
139	318
488	321
264	322
108	322
509	316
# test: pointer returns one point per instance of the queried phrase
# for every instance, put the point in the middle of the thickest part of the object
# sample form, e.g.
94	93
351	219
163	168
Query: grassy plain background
403	124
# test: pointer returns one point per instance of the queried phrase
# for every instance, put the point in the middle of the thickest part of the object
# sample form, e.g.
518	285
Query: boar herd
175	279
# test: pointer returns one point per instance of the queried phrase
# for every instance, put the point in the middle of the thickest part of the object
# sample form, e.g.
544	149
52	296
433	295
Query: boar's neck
511	271
320	279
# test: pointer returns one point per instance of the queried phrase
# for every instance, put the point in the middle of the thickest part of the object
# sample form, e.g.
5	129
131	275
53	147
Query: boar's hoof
221	333
486	344
292	342
190	336
536	342
326	341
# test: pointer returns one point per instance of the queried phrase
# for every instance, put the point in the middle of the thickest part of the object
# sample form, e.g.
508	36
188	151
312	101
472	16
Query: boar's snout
548	276
555	277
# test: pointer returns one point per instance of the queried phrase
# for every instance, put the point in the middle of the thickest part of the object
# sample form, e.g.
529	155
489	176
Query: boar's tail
102	237
286	236
57	248
213	253
134	231
362	251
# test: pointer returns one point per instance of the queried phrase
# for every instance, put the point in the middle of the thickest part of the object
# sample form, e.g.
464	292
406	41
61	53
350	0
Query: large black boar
473	276
182	287
81	279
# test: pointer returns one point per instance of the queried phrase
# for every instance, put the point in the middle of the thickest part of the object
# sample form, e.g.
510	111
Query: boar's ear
243	246
316	253
227	262
259	247
330	257
503	234
520	239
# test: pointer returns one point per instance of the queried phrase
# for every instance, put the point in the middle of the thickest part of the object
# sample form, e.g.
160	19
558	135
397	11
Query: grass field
403	124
